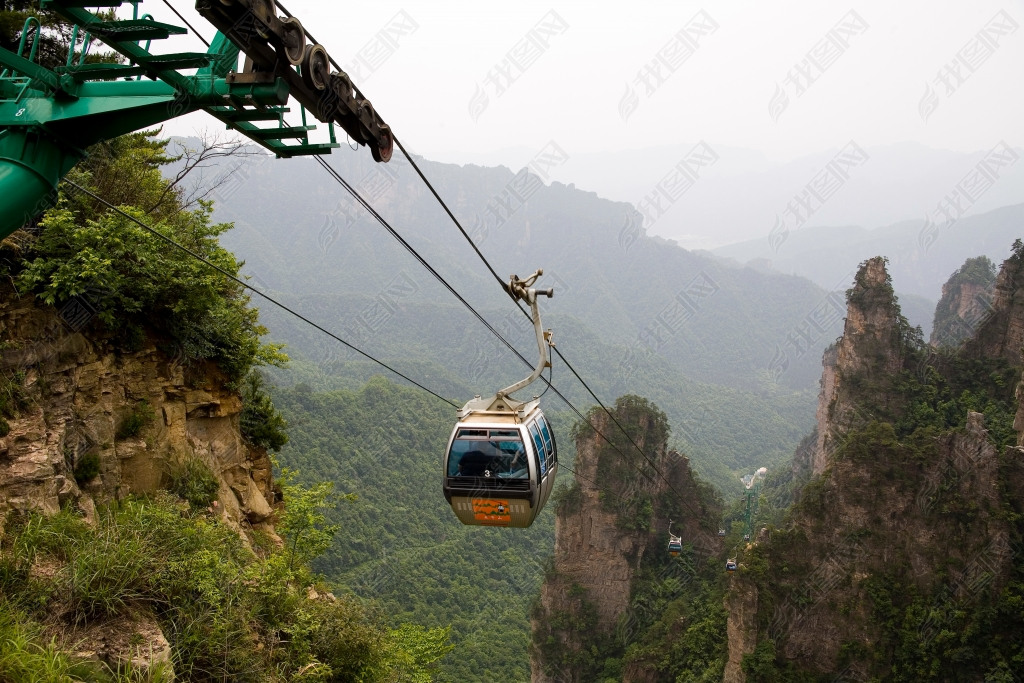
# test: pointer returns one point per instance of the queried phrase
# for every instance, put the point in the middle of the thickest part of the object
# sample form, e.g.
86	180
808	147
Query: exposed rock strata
76	394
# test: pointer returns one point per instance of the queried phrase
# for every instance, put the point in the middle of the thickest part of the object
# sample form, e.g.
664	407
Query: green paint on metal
48	117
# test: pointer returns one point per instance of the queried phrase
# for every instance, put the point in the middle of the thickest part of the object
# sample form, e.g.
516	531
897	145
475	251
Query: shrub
87	467
261	424
194	481
141	415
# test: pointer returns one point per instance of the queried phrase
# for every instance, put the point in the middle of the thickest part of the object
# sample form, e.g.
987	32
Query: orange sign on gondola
492	512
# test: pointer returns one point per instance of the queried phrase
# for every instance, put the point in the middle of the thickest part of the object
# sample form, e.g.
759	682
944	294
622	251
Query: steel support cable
415	254
394	233
404	243
185	21
451	215
366	205
497	277
249	287
254	290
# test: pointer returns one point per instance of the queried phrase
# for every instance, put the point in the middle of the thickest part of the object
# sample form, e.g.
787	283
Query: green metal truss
49	117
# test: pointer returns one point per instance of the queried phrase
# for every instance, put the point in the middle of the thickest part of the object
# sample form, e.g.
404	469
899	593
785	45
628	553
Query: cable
401	240
425	264
494	273
253	289
394	233
448	211
451	289
195	32
289	310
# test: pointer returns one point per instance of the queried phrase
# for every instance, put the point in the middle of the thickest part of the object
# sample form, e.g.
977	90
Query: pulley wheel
294	39
383	149
341	85
316	67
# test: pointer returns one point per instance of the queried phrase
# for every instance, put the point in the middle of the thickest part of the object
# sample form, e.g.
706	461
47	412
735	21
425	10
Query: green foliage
134	279
87	467
26	656
579	618
419	650
141	415
944	387
55	38
12	398
304	522
194	481
262	425
399	543
567	498
229	614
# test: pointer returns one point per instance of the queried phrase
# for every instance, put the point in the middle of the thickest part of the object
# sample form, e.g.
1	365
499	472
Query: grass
228	612
194	481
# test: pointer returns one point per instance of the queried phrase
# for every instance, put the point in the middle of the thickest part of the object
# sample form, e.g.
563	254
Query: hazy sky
456	79
496	83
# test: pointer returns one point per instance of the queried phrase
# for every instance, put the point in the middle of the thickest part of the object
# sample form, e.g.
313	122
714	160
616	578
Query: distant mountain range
920	258
737	194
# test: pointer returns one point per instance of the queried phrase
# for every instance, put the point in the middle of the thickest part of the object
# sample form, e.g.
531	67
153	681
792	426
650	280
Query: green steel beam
48	118
29	68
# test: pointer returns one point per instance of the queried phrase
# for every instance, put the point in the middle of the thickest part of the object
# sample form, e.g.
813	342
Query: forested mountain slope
301	234
399	543
900	559
730	353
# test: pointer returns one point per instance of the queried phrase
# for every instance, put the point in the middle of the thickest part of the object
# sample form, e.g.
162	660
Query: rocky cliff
87	423
966	303
1000	333
611	529
898	560
871	348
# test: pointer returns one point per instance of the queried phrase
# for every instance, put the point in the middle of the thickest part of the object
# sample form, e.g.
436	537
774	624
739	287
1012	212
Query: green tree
139	283
261	423
304	522
54	39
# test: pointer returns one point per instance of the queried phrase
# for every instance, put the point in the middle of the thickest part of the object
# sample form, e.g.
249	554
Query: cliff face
870	347
902	534
604	530
1001	332
75	400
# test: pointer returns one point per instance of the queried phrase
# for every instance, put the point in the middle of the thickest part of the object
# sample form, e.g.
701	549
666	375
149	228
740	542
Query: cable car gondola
675	543
730	565
501	460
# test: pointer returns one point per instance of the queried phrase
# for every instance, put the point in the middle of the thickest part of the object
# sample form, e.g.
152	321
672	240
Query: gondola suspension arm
523	290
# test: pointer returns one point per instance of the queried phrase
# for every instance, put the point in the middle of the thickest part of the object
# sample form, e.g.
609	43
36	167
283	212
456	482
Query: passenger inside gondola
502	455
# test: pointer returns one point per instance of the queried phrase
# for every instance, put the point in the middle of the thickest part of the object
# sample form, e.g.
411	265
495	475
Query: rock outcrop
871	347
966	303
133	640
611	520
741	629
121	421
1001	332
904	521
